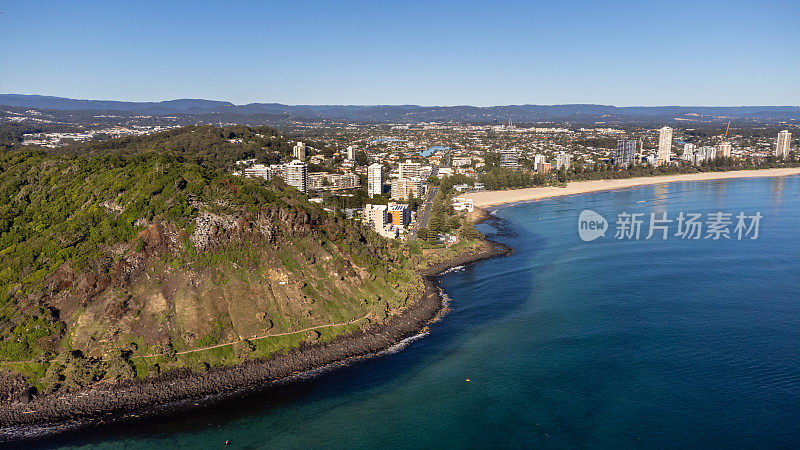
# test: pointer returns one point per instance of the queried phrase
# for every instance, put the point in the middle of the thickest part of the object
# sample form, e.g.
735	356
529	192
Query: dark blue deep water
603	344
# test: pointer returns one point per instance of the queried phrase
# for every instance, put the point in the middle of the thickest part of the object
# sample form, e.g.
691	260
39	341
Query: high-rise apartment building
625	153
509	159
689	153
544	167
782	147
398	215
374	179
708	152
258	171
297	175
405	188
299	151
409	169
664	145
724	150
375	216
563	160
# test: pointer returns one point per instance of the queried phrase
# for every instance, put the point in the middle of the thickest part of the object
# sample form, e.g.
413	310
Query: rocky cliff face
175	390
173	298
132	258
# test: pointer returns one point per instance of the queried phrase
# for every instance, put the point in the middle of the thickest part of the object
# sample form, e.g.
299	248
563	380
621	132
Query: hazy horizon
399	104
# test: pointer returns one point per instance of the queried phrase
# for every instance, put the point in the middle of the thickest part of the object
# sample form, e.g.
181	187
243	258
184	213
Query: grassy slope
71	227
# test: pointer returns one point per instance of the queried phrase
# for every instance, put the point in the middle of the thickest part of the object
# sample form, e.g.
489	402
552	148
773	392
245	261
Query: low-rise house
463	204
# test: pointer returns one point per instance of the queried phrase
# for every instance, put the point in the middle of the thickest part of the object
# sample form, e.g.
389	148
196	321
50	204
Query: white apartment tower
689	151
375	215
374	179
351	153
625	155
723	150
297	175
405	188
782	148
258	171
509	158
563	160
709	152
409	169
664	145
299	151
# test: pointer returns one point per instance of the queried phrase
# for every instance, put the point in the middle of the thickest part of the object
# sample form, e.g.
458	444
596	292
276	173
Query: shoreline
485	199
179	390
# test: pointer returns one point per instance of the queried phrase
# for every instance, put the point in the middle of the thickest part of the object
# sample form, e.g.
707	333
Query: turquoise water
433	150
609	344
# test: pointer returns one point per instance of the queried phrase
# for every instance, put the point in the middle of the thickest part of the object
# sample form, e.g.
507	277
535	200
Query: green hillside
130	257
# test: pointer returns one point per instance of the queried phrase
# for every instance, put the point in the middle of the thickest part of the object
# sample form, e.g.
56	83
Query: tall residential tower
664	145
724	150
782	148
374	179
509	158
297	175
409	169
563	160
626	152
299	151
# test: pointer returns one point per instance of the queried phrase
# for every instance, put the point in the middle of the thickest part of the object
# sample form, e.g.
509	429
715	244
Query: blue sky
406	52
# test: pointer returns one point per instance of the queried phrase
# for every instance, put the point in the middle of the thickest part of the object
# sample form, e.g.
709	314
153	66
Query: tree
243	348
453	223
414	203
469	232
437	222
118	367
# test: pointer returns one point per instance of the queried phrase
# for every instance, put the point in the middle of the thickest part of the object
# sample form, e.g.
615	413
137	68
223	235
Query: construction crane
725	139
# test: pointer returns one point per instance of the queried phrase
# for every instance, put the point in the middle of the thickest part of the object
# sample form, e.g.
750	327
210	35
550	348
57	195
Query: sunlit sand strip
490	198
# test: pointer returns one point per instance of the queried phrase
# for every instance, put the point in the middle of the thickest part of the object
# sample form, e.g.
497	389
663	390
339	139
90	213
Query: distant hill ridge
69	104
410	113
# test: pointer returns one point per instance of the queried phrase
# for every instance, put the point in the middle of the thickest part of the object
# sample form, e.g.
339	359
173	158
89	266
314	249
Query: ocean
612	343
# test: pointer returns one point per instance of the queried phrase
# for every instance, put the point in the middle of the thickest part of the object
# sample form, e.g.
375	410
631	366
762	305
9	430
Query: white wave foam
453	269
404	343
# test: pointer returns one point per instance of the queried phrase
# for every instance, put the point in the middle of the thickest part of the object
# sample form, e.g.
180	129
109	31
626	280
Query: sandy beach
491	198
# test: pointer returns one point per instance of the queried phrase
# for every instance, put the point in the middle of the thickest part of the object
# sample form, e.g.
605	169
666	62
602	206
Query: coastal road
425	213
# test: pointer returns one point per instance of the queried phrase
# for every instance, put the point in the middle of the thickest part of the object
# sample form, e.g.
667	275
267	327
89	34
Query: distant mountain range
413	113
